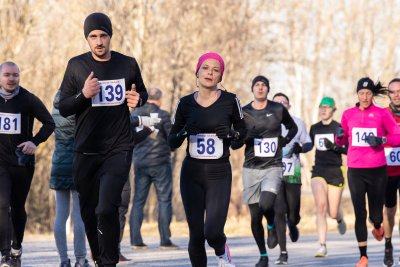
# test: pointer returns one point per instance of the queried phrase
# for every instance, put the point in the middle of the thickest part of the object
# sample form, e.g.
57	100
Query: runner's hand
149	121
132	97
27	147
91	86
192	129
328	144
339	132
223	131
297	149
375	140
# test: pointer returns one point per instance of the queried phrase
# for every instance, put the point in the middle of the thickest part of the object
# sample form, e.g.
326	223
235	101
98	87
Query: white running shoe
321	252
225	260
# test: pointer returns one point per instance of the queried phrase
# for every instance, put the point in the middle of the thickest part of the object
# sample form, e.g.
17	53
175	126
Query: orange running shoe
378	233
363	262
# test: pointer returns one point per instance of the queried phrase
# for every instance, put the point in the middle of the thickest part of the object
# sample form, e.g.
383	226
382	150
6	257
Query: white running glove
148	121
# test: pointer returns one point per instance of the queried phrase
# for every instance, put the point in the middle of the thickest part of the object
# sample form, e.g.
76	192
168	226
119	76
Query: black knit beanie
365	83
259	78
97	21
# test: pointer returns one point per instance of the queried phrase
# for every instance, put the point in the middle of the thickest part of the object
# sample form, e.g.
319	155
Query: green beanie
327	101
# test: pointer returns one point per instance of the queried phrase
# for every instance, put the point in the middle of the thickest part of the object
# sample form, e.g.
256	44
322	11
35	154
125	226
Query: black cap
97	21
259	78
366	83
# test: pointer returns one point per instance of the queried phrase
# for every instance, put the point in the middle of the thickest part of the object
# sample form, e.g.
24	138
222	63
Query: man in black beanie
98	88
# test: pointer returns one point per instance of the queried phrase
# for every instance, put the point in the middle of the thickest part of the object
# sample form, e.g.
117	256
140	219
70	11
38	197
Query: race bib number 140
358	135
112	93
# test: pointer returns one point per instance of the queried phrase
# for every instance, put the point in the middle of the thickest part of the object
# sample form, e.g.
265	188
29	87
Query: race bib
392	155
288	166
10	123
265	147
319	141
205	146
358	135
112	93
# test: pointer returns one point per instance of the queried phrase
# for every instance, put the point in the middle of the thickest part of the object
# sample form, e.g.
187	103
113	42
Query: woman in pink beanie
209	119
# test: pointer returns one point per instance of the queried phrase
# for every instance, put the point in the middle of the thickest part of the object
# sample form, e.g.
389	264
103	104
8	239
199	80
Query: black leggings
257	211
99	180
15	183
287	203
370	181
205	190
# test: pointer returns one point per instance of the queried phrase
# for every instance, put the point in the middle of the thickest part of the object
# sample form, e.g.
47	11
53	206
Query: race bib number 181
205	146
10	123
112	93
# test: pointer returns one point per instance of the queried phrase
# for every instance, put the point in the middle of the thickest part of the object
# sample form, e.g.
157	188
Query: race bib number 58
10	123
112	93
205	146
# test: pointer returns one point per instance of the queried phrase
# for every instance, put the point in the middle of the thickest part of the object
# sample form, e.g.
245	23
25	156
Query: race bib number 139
112	93
10	123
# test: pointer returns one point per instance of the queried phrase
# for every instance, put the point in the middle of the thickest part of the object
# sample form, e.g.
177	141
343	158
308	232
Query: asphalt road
342	251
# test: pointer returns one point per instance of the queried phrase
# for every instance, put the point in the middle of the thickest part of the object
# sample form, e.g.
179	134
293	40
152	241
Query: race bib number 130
265	147
10	123
112	93
205	146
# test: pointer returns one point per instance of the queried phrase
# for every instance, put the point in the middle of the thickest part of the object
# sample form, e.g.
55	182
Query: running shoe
16	257
262	262
342	227
66	263
293	233
122	258
388	258
282	260
378	233
272	239
225	260
84	264
169	246
139	246
321	252
363	262
5	261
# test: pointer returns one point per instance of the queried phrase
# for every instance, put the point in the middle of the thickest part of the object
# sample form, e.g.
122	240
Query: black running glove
375	140
297	149
339	132
224	131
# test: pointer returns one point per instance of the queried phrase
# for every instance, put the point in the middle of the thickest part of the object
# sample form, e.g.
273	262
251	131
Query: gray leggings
62	214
